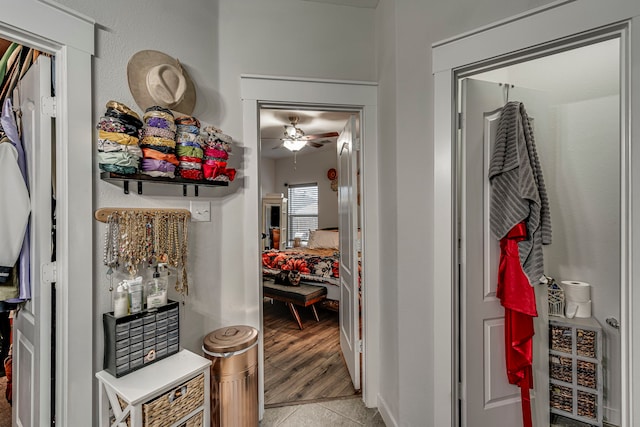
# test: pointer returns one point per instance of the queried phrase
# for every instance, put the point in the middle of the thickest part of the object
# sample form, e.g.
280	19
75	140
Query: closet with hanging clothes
15	211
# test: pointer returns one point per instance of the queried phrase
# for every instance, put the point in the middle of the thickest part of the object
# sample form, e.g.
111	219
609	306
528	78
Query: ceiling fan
294	138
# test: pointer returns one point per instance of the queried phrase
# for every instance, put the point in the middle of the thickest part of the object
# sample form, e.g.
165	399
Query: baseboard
383	408
613	415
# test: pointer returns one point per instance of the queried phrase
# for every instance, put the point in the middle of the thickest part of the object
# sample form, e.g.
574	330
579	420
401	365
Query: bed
315	265
318	262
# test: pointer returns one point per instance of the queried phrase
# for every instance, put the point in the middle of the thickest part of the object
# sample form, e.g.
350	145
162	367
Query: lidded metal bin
233	352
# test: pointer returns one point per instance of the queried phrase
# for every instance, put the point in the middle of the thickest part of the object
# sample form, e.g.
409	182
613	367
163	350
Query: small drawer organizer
575	369
134	341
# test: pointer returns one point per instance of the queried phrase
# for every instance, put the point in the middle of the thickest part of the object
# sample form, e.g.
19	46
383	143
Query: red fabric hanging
519	301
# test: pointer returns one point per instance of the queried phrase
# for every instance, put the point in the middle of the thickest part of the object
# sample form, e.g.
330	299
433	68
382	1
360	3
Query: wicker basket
587	405
195	421
561	339
586	343
561	398
561	368
586	372
175	404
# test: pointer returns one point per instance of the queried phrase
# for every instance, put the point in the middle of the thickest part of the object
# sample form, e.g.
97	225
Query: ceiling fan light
290	131
294	145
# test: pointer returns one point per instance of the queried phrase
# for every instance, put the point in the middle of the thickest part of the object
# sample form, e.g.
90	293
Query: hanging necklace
111	252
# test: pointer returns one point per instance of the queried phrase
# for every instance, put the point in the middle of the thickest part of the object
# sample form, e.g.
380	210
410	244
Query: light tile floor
348	413
334	413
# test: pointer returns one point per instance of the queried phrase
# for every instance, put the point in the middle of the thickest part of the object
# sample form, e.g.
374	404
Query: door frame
566	24
71	40
257	90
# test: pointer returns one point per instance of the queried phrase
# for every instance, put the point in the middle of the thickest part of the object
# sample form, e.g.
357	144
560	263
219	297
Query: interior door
32	325
487	398
349	276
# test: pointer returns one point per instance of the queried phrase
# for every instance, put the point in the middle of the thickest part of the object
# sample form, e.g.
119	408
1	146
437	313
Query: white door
32	326
487	398
348	225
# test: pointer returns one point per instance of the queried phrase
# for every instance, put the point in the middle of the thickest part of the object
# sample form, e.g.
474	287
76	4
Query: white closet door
32	326
349	276
487	397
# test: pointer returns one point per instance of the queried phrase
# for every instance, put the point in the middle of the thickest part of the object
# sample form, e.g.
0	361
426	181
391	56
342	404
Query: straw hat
155	78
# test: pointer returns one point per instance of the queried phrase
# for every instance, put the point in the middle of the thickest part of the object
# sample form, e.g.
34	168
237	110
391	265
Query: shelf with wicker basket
172	392
575	369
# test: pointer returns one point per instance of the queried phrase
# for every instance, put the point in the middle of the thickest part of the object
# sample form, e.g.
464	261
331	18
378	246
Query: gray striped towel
518	191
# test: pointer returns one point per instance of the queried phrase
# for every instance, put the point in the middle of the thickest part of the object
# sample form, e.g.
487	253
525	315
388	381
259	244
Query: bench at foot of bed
304	295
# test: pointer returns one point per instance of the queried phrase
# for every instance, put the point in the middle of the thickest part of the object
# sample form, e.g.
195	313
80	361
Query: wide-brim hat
155	78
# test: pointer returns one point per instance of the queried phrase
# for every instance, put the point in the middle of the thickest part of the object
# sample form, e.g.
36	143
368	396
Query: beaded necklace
134	237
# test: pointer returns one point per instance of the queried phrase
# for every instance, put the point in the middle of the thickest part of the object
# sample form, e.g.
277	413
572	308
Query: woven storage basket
587	404
561	368
586	374
561	339
195	421
586	343
175	404
561	398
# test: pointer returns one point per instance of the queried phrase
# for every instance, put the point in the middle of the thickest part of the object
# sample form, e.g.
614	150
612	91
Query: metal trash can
233	352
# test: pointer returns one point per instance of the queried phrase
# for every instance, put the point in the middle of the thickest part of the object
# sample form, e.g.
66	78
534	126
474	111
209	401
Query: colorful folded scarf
120	138
120	158
157	155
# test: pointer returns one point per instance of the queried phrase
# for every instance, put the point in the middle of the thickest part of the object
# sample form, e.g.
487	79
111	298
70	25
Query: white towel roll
578	309
576	291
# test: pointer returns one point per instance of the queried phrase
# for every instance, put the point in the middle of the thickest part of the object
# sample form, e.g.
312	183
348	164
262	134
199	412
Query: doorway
27	127
72	49
576	129
303	360
259	90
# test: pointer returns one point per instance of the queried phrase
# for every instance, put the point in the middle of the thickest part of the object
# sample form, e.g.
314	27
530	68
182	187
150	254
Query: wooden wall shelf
102	214
115	178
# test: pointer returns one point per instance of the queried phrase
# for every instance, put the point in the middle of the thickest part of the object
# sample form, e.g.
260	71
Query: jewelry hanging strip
137	236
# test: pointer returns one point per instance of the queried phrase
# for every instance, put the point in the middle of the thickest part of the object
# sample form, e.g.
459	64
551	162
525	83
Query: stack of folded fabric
158	143
119	130
216	153
189	148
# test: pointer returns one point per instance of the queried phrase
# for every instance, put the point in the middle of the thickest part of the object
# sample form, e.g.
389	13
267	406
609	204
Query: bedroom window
303	211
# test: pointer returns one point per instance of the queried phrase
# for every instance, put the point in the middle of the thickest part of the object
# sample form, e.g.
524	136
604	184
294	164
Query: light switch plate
200	211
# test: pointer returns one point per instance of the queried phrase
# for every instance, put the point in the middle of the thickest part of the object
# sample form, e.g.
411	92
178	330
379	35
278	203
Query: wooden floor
302	365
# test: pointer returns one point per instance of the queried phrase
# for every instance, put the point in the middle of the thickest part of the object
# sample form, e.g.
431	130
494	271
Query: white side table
145	384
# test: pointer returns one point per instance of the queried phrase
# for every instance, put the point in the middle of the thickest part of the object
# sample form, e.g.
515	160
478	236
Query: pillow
320	239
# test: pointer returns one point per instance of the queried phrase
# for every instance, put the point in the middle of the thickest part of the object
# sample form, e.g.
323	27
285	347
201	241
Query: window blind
303	211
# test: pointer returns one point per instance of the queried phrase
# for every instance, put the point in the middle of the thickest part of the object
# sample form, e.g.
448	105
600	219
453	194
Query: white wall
311	167
410	27
386	40
267	176
216	41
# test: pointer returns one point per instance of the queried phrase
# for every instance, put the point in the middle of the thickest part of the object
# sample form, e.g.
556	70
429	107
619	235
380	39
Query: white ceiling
354	3
272	122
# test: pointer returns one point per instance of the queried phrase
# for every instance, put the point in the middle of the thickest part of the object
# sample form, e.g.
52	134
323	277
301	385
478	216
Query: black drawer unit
134	341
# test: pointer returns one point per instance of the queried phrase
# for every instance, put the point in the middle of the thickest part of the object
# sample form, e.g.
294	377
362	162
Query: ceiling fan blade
320	136
315	144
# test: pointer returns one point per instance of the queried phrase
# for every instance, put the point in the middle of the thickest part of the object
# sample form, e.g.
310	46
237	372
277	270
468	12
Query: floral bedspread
314	265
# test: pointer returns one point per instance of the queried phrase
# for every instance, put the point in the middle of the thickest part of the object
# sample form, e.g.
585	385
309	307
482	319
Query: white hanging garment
15	207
